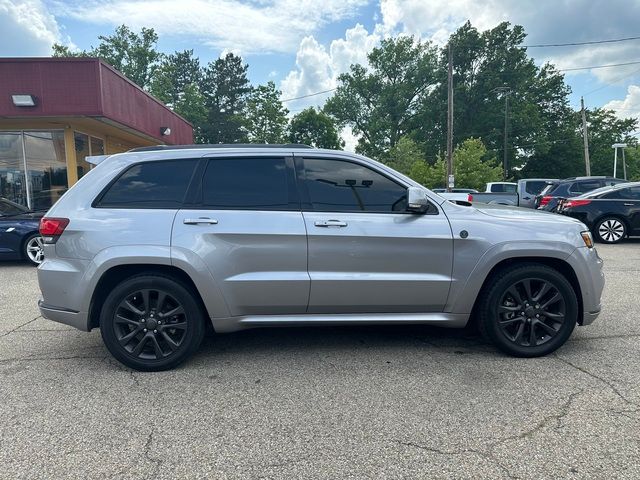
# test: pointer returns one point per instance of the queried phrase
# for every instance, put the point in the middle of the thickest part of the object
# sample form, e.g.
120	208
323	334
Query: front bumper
587	266
75	319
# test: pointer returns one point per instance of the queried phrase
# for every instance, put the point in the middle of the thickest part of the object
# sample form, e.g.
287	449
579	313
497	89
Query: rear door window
584	187
161	184
249	184
535	187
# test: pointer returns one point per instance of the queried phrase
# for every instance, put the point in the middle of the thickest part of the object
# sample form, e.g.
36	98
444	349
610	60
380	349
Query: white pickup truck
521	194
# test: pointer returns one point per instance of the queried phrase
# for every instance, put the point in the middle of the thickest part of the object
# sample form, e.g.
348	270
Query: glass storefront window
46	166
85	146
12	182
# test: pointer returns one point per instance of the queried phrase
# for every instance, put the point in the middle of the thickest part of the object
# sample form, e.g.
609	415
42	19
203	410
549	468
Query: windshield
7	207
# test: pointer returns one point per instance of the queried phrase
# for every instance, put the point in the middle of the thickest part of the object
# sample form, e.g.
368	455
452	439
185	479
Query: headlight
588	239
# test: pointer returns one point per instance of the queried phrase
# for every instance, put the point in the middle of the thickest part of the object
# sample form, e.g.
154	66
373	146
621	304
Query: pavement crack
20	326
597	377
147	453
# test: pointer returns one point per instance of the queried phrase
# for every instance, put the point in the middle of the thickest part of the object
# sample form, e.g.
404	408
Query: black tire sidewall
597	230
489	316
182	294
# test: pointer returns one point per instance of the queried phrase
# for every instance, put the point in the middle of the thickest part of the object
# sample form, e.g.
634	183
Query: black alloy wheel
151	323
528	310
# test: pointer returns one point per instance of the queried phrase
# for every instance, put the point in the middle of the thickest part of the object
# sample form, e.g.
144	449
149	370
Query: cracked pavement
385	402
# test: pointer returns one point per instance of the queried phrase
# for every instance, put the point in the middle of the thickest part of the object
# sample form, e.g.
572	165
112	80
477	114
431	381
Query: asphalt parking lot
386	402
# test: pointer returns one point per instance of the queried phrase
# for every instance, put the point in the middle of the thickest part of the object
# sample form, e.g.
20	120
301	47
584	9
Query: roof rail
218	145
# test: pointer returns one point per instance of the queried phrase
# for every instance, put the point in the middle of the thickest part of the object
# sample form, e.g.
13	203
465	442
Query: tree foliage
315	128
225	87
266	116
133	54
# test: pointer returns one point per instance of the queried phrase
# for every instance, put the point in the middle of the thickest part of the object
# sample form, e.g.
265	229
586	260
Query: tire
506	297
151	322
610	230
33	249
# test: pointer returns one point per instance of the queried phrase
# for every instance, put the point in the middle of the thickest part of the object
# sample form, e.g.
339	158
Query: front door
247	227
366	252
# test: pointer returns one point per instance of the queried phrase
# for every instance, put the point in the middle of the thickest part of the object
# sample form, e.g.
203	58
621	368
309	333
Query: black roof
218	145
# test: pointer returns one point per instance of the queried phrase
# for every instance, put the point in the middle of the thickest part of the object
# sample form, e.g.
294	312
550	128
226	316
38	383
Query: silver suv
153	244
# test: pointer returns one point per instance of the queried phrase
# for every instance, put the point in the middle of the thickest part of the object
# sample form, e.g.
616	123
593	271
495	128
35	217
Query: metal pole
624	165
615	161
27	180
449	119
585	139
506	121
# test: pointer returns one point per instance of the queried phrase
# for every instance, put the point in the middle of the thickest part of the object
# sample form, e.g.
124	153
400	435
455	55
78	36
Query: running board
233	324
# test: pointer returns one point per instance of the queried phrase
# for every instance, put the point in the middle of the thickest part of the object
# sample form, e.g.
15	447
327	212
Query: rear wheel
33	249
610	230
151	323
528	310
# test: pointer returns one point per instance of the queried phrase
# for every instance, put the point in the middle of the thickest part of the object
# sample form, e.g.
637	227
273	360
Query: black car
555	191
19	237
611	213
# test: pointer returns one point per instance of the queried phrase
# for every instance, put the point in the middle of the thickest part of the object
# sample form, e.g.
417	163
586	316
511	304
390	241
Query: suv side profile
549	197
153	244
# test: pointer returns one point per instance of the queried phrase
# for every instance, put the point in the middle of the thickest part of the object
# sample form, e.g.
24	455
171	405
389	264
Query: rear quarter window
161	184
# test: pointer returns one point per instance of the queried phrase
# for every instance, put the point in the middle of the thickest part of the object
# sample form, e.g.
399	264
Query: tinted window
10	208
151	185
340	186
534	187
634	193
624	194
583	187
246	183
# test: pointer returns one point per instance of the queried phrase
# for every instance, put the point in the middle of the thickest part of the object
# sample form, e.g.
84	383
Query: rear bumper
75	319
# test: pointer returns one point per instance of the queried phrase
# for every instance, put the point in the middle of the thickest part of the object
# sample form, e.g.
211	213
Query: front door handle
628	204
331	223
201	220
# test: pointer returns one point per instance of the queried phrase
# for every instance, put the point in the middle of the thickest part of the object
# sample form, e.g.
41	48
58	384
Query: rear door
245	224
366	252
632	205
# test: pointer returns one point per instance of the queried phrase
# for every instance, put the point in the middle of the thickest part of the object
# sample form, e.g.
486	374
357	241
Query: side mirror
417	200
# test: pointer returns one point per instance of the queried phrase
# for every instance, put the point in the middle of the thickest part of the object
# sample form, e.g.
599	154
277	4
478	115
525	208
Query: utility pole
505	91
450	121
585	138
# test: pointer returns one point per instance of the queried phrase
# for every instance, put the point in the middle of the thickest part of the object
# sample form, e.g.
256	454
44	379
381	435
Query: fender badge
464	234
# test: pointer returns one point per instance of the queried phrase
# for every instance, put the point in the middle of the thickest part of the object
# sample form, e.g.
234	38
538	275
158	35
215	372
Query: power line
593	42
515	73
613	82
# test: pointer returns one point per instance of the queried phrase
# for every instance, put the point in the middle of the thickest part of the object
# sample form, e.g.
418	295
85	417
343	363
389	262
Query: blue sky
303	45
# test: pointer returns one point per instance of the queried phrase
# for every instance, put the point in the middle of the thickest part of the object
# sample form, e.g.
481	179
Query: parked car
456	194
529	188
611	213
152	244
549	198
19	237
501	187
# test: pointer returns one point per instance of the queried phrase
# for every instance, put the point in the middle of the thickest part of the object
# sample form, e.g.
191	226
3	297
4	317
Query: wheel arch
557	264
116	274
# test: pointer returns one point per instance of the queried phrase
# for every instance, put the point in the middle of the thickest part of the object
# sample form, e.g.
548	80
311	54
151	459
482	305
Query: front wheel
610	230
151	323
528	310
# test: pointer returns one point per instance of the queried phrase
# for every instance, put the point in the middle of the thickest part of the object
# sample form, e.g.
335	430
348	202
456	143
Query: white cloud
28	29
249	27
544	22
630	106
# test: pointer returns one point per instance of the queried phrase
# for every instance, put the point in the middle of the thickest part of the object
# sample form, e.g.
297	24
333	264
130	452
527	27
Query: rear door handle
628	204
201	220
331	223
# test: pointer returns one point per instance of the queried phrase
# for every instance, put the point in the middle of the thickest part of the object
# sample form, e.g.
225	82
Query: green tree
225	87
266	116
315	128
133	54
381	103
473	167
605	129
174	74
404	155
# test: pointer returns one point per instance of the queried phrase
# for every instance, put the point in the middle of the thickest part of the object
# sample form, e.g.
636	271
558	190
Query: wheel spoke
513	291
145	300
172	344
160	303
532	335
156	347
128	321
172	313
516	338
527	288
550	330
127	305
509	321
544	289
177	326
556	297
136	351
554	316
127	338
508	309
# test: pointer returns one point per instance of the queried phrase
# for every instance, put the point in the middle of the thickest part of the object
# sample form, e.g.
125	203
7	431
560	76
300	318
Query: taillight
575	203
469	198
544	200
52	228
